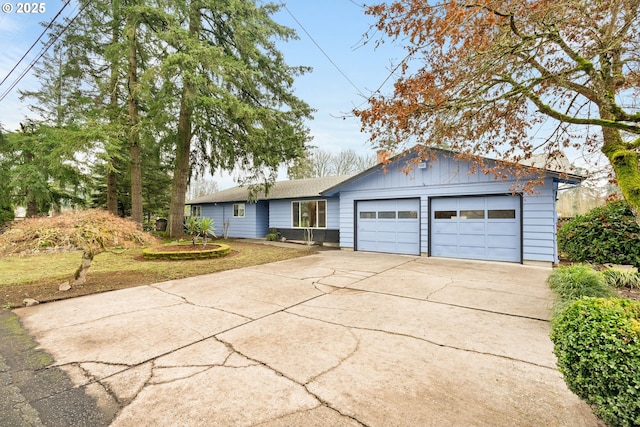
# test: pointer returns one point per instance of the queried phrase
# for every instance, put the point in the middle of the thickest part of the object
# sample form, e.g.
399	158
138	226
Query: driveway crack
518	316
305	386
187	301
438	290
400	334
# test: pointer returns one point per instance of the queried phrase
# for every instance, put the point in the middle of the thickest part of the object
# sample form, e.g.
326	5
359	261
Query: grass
577	281
39	276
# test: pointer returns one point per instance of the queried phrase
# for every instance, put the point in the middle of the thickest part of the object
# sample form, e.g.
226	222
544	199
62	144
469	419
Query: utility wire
35	42
41	54
322	50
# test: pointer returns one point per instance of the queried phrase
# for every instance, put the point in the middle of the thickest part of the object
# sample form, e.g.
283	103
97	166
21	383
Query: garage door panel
467	227
473	240
387	226
444	240
405	238
386	236
444	227
485	227
500	227
366	235
449	251
471	252
500	242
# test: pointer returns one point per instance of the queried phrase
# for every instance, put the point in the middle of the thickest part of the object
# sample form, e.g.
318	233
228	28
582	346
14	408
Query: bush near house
577	281
606	234
597	343
597	340
273	235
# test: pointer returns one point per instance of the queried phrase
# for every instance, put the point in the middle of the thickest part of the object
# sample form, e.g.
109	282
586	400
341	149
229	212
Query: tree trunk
625	165
32	208
112	191
134	133
32	203
182	167
112	177
80	276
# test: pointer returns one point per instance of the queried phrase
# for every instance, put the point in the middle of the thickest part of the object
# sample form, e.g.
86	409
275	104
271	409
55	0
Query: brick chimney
382	156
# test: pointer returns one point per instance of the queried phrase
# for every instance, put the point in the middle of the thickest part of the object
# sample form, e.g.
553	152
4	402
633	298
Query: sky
345	70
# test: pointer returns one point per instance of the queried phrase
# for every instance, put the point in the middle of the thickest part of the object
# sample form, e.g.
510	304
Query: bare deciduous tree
318	163
483	76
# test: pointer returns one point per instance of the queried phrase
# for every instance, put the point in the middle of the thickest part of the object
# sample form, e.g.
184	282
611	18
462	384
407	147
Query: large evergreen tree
233	93
199	84
42	167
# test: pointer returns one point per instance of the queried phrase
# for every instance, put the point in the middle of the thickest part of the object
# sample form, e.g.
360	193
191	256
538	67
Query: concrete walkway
333	339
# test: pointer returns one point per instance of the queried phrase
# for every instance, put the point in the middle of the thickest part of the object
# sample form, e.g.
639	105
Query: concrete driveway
333	339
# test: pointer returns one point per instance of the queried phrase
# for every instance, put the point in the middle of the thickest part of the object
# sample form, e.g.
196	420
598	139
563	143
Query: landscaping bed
186	252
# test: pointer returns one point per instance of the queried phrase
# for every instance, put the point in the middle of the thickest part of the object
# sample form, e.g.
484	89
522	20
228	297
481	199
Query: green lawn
38	276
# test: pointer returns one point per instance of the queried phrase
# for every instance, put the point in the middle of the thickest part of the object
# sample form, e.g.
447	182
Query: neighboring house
437	208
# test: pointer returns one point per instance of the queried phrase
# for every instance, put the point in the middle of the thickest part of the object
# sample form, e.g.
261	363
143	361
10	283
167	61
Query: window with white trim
309	213
196	210
238	210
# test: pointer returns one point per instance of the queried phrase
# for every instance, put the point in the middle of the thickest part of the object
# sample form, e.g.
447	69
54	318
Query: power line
322	50
41	54
35	42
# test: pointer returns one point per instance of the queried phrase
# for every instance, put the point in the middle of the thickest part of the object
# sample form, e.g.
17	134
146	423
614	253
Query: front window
196	210
311	213
238	210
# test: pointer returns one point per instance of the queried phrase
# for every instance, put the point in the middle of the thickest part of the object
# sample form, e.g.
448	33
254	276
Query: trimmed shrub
606	234
273	235
597	343
577	281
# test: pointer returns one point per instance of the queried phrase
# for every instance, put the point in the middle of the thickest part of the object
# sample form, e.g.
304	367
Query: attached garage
440	204
476	227
391	226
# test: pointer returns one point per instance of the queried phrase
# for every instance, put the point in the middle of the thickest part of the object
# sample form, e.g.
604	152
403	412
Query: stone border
157	253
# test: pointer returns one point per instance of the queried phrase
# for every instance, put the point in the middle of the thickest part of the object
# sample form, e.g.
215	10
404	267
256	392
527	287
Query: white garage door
391	226
486	228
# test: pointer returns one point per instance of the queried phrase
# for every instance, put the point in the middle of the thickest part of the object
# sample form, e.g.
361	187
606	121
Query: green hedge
606	234
597	343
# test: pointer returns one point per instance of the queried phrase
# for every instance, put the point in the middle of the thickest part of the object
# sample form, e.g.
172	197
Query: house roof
297	188
559	168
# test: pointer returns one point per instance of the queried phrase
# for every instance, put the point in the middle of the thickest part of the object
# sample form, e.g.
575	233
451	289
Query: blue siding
280	213
262	218
446	177
253	225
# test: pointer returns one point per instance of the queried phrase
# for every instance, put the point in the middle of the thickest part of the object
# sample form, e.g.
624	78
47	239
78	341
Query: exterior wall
253	225
446	177
280	218
539	224
261	216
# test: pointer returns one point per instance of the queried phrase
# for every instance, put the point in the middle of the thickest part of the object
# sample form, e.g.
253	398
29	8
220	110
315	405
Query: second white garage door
391	226
486	228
